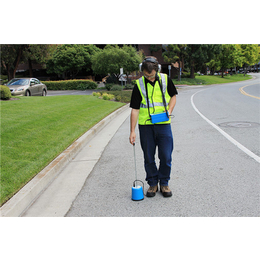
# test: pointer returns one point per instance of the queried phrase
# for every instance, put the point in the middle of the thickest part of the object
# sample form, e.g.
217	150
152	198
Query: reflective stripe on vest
142	86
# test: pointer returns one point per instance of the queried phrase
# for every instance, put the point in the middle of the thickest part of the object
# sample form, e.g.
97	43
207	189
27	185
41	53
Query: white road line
232	140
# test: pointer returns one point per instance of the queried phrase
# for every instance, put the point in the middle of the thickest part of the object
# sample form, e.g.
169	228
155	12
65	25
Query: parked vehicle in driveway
27	87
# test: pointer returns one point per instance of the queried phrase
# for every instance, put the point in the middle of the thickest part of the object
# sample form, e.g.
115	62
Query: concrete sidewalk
52	191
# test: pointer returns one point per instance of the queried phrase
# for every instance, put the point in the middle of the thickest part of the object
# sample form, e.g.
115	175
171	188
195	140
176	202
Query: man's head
149	64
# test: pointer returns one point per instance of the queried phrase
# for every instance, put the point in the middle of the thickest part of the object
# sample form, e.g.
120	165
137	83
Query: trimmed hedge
75	84
5	92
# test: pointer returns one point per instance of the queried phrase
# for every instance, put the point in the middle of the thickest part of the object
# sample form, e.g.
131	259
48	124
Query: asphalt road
215	171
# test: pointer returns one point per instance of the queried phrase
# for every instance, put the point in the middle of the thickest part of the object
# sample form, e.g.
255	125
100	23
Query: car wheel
44	93
27	93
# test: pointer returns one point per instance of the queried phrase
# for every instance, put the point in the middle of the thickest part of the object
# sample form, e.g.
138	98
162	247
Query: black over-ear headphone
150	59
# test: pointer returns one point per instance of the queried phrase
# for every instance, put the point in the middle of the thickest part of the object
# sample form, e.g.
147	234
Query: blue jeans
152	136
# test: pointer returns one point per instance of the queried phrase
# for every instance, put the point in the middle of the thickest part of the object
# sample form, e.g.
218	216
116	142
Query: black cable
163	98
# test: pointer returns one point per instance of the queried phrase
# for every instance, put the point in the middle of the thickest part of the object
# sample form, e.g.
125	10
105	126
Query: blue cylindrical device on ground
137	191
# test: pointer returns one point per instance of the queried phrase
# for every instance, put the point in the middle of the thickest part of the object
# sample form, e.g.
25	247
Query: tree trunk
30	68
245	67
10	72
13	67
179	72
192	76
17	60
192	63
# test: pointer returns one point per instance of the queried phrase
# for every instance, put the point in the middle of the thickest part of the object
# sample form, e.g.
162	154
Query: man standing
154	93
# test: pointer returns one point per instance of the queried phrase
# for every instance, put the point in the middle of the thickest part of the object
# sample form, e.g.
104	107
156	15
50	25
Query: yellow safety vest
155	99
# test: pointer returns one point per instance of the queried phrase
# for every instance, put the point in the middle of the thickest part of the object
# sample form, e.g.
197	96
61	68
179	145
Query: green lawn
35	130
208	79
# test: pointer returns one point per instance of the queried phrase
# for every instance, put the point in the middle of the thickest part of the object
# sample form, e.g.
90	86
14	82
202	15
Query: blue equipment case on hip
160	117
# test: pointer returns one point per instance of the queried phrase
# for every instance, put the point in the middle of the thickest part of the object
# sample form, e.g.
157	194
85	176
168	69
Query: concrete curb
30	192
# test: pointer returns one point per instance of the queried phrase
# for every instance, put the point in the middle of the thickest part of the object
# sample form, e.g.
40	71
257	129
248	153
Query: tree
11	55
250	55
133	60
112	58
212	51
155	47
237	57
38	53
200	55
194	52
227	57
69	59
175	53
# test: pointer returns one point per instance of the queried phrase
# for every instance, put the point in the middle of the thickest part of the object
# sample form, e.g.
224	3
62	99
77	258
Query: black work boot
152	191
165	190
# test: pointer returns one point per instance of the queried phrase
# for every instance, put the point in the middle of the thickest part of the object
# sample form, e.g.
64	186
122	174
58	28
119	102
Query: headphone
150	59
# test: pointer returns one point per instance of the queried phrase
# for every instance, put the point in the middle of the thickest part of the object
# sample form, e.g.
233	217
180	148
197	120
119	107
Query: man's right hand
132	138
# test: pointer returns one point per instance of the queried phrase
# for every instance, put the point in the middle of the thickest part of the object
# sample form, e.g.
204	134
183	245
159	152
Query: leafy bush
96	94
116	87
119	95
122	96
185	74
5	92
106	96
3	79
71	84
112	79
109	86
127	87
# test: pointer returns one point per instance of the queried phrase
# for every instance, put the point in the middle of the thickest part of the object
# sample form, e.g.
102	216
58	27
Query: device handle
136	181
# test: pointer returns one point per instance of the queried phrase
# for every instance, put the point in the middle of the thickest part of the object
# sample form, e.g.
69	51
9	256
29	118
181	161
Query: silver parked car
27	87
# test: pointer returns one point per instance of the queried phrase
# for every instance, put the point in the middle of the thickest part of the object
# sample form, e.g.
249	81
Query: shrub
81	86
3	79
106	96
127	87
96	94
185	74
71	84
109	86
122	96
5	92
112	79
116	87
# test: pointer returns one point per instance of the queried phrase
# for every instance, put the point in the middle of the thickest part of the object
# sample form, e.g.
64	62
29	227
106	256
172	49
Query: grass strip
209	79
35	130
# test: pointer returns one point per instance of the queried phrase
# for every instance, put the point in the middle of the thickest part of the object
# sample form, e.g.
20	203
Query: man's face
150	76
